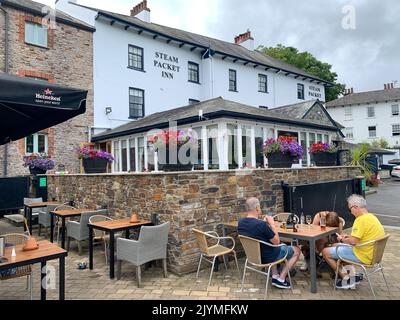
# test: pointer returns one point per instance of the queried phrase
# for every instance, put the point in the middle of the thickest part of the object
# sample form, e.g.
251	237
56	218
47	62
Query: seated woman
332	220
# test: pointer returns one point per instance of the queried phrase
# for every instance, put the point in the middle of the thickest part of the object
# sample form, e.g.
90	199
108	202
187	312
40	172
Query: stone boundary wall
189	199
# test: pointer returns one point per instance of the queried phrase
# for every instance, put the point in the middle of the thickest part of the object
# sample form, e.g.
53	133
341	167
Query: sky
359	38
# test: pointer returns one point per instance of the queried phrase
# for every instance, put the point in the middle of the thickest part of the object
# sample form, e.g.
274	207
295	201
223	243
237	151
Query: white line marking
385	216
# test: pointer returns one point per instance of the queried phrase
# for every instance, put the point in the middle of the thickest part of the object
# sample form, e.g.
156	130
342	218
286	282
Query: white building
369	116
141	68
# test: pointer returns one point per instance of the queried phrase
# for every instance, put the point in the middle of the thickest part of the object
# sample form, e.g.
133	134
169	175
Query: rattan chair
101	235
252	248
18	239
44	217
212	252
64	206
376	263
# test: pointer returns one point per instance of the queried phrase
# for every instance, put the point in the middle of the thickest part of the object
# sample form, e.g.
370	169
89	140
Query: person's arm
271	224
348	239
317	217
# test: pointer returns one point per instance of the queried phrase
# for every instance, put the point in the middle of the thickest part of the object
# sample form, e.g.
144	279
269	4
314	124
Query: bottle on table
302	218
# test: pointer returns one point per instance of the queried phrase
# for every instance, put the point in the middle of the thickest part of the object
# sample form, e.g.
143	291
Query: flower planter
280	160
36	171
325	159
175	167
96	165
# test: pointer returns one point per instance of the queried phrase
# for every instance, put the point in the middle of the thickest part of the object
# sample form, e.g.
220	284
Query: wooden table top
311	231
70	212
42	204
46	250
119	224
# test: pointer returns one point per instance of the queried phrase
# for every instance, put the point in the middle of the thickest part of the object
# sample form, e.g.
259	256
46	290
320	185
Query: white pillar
155	161
120	155
239	146
276	133
205	146
128	155
223	146
137	154
265	137
112	152
308	147
253	146
146	155
299	141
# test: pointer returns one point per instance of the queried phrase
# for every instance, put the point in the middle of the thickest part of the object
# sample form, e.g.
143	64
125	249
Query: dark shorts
283	252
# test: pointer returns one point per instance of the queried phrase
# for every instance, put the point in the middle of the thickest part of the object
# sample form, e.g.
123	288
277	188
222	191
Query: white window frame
369	115
36	29
348	113
369	132
393	131
36	143
395	114
349	133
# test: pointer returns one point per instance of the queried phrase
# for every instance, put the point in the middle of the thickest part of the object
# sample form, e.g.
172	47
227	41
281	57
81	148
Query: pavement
96	284
384	203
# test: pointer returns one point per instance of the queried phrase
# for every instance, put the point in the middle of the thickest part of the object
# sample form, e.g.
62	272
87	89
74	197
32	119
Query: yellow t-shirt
366	228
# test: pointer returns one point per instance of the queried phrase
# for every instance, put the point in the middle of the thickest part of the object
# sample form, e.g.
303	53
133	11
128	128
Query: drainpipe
6	52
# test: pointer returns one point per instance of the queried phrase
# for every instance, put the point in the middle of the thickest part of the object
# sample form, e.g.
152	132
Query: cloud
364	58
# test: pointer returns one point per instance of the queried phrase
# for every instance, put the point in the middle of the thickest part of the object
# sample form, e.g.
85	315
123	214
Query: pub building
229	135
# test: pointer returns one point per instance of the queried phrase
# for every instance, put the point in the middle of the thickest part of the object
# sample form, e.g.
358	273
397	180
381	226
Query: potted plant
38	163
171	141
282	151
94	161
324	154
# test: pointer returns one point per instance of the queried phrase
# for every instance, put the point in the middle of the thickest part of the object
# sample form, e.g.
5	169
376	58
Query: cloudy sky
359	38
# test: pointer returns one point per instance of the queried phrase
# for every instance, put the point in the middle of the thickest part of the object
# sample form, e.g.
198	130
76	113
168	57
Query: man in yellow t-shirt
366	228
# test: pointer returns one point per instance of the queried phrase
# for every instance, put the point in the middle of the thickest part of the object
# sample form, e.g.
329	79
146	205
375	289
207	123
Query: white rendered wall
360	122
78	12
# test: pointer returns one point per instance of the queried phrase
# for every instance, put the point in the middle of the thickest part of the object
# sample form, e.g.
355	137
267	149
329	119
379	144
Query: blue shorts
345	252
283	252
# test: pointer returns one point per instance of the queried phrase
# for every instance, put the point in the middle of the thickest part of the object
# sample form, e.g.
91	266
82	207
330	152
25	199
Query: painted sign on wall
314	92
168	64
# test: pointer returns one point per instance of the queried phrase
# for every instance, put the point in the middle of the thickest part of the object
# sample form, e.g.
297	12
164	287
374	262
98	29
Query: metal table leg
62	279
111	255
51	227
313	267
30	221
90	248
43	281
63	232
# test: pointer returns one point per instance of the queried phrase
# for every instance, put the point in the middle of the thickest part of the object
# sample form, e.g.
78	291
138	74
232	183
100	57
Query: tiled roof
37	8
218	46
366	97
214	108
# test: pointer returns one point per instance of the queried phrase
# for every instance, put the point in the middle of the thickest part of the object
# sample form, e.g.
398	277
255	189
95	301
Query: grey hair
251	204
357	200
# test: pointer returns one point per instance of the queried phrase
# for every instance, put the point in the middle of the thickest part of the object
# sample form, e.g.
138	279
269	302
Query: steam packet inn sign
168	64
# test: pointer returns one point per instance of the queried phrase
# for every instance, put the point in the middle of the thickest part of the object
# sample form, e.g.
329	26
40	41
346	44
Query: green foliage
358	159
381	143
307	62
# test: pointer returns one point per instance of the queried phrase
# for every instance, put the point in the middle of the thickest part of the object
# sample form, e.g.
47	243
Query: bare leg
291	263
332	262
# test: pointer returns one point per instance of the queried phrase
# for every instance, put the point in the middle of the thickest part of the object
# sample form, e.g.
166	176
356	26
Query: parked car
396	172
394	161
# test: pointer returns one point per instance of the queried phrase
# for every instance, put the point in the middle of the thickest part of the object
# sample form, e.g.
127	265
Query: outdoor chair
376	264
35	211
283	217
44	217
210	253
57	223
17	239
252	248
80	230
151	245
101	235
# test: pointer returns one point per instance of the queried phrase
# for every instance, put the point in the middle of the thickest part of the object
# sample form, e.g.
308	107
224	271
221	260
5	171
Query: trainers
281	285
359	277
345	284
304	266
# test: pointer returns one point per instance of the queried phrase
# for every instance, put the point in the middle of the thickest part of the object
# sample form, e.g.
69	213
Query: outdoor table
111	227
46	251
310	233
28	211
63	214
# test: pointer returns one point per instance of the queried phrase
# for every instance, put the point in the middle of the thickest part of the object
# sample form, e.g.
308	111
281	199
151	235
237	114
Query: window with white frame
300	91
349	133
372	132
370	112
348	113
193	72
36	143
395	110
396	129
262	83
232	80
135	58
36	34
326	138
136	103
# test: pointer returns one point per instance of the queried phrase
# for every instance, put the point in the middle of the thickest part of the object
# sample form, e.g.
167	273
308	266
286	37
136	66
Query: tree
381	143
307	62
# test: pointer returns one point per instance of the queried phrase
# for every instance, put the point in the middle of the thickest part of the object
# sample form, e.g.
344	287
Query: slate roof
295	111
36	8
366	97
218	46
212	109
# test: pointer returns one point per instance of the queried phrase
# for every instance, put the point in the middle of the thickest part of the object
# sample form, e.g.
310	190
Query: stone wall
69	62
188	200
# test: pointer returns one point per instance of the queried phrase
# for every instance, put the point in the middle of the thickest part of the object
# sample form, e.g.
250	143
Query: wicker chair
101	235
79	230
252	248
376	263
64	206
152	245
44	217
17	239
213	251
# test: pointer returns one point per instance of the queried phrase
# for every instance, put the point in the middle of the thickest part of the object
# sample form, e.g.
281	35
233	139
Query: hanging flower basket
282	152
325	159
280	160
38	163
96	165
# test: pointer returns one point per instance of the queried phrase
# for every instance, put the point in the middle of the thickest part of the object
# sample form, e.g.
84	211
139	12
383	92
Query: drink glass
322	223
309	221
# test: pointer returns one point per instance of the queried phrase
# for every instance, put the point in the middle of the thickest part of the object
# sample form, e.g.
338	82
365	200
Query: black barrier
12	192
325	196
39	186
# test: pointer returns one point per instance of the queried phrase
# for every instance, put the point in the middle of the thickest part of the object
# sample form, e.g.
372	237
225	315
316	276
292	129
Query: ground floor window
233	146
246	146
36	143
213	156
132	154
141	154
259	140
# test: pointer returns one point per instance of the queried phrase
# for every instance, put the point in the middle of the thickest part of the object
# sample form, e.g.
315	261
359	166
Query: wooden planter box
325	159
97	165
280	160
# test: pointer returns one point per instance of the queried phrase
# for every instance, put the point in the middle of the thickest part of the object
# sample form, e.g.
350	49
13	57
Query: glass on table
309	221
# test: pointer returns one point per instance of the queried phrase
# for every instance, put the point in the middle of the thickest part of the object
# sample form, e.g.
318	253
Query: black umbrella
28	106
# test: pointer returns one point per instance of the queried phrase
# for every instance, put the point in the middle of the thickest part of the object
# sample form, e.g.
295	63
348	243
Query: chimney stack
141	11
388	86
348	91
245	40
